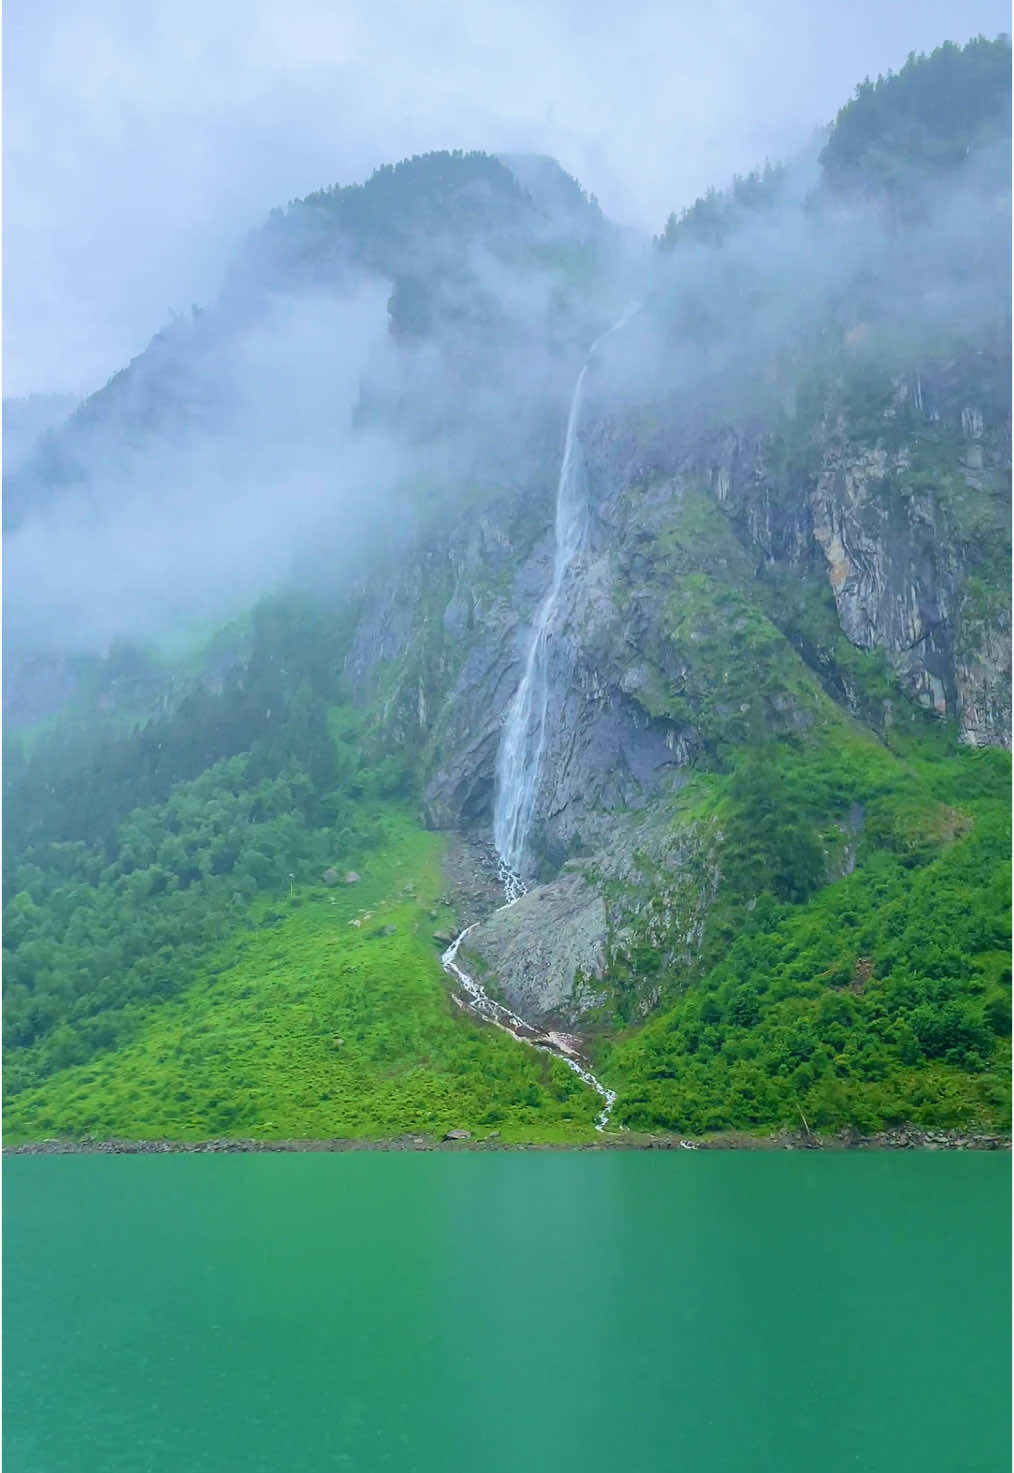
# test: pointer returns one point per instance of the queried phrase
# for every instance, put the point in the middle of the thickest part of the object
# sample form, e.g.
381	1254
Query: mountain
27	418
681	572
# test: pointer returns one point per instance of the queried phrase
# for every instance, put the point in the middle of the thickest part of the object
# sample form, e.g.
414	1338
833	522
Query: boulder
330	877
458	1135
352	878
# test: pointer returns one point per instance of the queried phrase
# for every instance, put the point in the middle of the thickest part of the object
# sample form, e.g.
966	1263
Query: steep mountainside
746	559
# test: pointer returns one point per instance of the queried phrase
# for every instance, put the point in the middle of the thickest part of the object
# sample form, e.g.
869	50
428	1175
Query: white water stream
479	1002
519	760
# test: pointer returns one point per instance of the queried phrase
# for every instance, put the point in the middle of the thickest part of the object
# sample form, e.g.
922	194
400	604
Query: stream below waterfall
478	1002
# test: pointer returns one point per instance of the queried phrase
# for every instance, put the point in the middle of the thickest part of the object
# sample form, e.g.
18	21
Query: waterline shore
903	1138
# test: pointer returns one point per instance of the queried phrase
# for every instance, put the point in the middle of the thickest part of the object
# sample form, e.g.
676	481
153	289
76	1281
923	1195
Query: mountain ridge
797	459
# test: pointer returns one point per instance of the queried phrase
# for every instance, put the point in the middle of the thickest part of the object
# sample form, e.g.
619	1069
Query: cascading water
478	1001
519	760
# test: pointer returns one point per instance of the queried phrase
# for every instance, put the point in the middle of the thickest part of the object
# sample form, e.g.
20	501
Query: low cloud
141	143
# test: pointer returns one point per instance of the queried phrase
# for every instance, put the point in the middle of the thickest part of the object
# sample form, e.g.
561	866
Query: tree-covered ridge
139	728
133	845
430	207
935	114
885	998
939	115
418	223
715	215
444	194
86	941
453	193
94	930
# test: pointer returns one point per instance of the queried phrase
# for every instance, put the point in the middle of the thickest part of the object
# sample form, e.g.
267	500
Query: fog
142	142
286	435
192	526
729	333
302	427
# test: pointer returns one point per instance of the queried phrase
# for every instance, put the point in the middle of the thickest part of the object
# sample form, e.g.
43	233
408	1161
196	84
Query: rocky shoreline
902	1138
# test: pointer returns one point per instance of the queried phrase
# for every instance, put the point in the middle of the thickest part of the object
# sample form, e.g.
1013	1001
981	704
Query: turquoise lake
497	1313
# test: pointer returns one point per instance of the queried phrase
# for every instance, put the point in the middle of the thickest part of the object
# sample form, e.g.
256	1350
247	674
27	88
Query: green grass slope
311	1023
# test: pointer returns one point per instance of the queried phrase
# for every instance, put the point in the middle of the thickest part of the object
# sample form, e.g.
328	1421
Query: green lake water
499	1313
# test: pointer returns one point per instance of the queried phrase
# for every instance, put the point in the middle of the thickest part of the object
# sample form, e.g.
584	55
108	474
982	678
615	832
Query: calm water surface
504	1313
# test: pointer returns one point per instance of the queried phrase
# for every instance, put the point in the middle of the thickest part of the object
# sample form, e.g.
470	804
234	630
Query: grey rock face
982	680
897	562
602	751
549	950
894	569
461	789
882	567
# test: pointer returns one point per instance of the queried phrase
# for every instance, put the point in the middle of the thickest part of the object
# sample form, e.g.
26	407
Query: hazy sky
142	140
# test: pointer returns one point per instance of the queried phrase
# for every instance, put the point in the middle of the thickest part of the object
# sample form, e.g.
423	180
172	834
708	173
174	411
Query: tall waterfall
519	760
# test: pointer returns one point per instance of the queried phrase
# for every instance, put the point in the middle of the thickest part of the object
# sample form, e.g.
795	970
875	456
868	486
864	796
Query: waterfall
519	759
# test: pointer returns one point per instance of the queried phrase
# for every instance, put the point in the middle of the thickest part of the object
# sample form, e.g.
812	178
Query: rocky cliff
731	592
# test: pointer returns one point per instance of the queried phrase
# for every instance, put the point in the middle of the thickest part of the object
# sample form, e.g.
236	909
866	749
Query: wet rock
470	870
549	949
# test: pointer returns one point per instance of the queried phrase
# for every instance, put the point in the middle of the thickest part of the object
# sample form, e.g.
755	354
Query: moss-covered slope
325	1015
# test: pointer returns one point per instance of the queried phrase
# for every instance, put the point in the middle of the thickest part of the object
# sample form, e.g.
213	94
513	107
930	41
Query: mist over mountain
426	326
290	563
26	420
141	145
420	329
